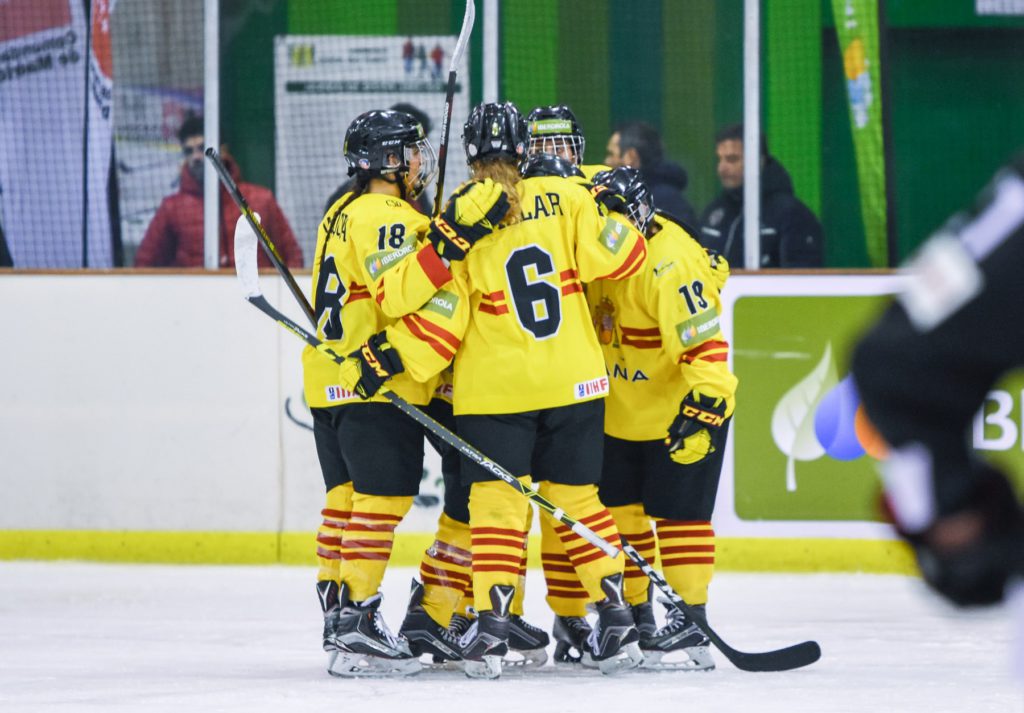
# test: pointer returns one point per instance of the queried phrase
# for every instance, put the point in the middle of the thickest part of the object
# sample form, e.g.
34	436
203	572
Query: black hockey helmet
493	130
546	164
385	143
626	182
555	130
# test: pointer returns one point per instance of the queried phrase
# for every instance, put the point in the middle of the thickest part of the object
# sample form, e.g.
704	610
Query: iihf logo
594	387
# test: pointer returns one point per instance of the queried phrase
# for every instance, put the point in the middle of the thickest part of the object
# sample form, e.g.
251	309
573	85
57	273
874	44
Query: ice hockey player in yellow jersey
555	131
557	147
529	379
372	266
668	414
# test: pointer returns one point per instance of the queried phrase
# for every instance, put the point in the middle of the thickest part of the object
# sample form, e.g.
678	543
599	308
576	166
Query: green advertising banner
798	455
802	452
857	29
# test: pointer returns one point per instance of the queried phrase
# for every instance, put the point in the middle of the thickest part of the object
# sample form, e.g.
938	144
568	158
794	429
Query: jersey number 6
537	302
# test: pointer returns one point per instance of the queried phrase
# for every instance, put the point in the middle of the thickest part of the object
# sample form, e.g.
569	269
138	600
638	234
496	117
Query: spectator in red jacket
175	236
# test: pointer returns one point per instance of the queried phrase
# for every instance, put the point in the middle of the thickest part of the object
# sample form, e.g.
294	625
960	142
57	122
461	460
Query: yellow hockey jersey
371	267
516	312
660	334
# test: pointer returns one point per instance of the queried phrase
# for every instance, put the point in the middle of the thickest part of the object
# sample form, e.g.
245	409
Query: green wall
956	113
677	65
247	83
957	110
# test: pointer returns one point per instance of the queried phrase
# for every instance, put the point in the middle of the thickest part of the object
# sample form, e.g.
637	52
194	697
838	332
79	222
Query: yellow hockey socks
497	516
336	512
566	593
446	570
591	564
687	557
635	526
520	595
367	541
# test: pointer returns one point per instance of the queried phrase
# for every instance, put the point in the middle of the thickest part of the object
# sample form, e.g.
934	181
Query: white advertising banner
45	54
322	83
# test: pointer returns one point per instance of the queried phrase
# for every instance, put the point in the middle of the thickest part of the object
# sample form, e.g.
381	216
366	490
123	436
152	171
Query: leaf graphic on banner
793	418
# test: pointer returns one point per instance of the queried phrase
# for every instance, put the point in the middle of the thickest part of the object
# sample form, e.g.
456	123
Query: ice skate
327	593
680	645
426	636
366	647
486	642
612	645
571	634
527	644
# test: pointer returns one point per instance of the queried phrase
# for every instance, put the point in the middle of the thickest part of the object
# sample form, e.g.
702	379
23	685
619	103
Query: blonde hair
506	173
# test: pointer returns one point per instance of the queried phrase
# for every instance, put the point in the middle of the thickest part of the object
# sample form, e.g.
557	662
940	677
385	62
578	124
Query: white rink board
155	402
160	402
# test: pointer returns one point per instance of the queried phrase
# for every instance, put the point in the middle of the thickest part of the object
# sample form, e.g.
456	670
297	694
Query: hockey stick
248	276
268	244
785	659
779	660
449	99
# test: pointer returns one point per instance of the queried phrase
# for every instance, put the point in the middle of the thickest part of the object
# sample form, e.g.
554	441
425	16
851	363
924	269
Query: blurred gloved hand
970	553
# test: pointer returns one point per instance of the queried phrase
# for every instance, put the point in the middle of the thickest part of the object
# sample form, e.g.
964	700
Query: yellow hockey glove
689	435
470	214
695	448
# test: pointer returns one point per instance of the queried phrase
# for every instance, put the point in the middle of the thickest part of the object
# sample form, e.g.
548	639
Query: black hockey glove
608	198
470	214
689	436
367	368
969	554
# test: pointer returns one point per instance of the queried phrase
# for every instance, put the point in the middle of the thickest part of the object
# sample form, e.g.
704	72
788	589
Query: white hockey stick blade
467	29
246	266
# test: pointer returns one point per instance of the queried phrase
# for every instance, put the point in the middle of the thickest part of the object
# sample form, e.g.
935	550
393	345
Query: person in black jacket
791	235
638	144
923	376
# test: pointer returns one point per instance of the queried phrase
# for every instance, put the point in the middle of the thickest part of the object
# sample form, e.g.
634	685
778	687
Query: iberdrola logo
822	415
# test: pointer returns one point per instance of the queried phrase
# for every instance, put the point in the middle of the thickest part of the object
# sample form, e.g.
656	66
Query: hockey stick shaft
248	276
785	659
449	99
443	433
272	252
778	660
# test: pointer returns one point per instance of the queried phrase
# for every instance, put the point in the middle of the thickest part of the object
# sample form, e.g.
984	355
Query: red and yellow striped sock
635	526
687	557
591	564
566	594
519	597
367	541
497	516
336	512
446	569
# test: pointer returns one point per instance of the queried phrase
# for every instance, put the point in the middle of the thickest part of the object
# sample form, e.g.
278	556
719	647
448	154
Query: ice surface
90	637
